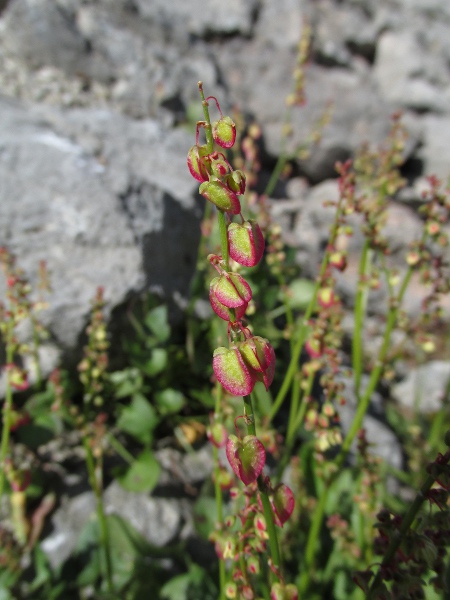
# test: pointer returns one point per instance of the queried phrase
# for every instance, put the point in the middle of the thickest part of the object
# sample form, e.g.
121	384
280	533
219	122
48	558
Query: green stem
120	449
208	129
359	313
267	508
303	329
218	495
355	427
407	521
7	407
104	535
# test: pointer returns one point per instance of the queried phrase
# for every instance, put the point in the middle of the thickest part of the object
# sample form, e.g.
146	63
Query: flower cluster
248	358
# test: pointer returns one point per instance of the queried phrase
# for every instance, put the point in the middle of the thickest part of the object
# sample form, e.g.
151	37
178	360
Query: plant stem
355	427
7	406
104	536
359	313
267	508
303	328
218	494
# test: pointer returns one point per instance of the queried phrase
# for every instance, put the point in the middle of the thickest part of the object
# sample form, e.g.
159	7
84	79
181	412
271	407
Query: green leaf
126	382
176	588
139	419
156	363
143	474
300	293
157	321
170	401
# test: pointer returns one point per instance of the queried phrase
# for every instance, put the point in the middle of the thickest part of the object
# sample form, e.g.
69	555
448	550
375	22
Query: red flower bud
224	132
231	290
247	457
224	198
231	371
246	243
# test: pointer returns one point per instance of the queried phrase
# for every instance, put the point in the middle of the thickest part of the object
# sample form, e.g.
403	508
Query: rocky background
92	154
95	97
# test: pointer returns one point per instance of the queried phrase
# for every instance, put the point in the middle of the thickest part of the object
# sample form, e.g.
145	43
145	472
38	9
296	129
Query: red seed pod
231	371
256	353
223	311
246	243
283	503
224	132
247	457
231	290
221	196
236	182
197	164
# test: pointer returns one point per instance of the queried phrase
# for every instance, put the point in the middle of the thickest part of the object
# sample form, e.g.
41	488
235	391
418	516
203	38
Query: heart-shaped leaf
247	457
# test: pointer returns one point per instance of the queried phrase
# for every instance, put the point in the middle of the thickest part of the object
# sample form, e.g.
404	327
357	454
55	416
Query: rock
158	520
44	33
424	388
403	71
67	522
103	200
436	150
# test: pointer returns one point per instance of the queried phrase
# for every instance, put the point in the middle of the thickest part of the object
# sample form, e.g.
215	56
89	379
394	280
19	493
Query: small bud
246	243
326	297
247	457
224	132
253	565
338	260
291	592
231	590
221	196
231	371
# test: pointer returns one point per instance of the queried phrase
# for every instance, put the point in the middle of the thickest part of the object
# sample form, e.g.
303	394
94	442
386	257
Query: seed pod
223	311
224	198
231	371
247	457
236	182
197	164
283	503
231	290
256	352
246	243
224	132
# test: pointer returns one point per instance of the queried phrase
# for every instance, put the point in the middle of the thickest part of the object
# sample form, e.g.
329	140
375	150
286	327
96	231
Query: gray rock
103	200
158	520
68	521
436	150
424	388
402	71
44	33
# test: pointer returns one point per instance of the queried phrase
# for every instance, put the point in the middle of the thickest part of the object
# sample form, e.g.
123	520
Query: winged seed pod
231	290
247	457
197	166
224	132
217	193
246	243
223	311
231	371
